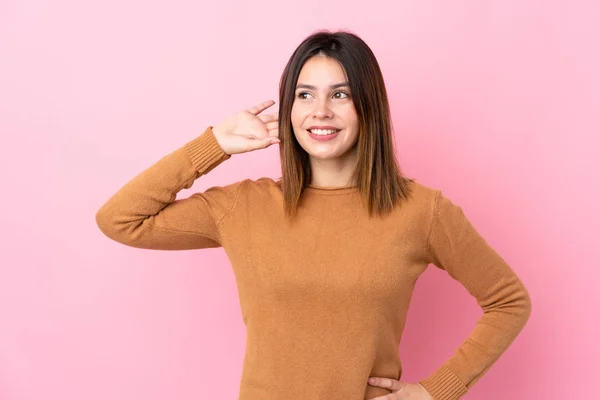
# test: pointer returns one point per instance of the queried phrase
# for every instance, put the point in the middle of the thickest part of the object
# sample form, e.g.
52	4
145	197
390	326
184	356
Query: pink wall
496	102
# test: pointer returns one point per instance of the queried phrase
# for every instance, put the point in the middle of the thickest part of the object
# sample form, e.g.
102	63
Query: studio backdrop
497	103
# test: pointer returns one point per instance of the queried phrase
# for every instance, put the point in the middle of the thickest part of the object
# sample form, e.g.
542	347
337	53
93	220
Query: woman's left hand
401	390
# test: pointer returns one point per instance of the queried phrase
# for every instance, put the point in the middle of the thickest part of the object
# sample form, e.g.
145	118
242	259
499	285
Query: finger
387	383
269	117
272	125
391	396
271	141
264	142
261	107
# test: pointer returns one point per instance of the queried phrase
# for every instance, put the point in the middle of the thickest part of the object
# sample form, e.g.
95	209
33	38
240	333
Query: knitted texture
324	297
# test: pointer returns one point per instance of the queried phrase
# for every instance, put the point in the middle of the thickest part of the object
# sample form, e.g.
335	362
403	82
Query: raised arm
456	247
144	212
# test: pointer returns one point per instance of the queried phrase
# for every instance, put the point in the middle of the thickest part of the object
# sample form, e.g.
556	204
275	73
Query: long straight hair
376	172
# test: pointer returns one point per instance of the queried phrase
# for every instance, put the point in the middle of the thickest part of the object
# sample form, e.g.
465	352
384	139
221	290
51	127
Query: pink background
497	103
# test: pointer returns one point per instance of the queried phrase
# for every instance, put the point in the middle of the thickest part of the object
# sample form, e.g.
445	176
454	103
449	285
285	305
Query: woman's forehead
322	72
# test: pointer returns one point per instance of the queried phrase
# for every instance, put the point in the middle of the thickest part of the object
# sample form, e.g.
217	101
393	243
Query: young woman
325	258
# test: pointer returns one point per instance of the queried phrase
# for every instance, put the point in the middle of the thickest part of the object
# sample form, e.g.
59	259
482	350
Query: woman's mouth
323	134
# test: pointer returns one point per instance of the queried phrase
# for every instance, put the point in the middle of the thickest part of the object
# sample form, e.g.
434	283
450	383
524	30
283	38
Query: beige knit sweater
324	299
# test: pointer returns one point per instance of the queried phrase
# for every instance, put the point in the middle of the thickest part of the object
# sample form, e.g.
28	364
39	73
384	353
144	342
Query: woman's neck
336	172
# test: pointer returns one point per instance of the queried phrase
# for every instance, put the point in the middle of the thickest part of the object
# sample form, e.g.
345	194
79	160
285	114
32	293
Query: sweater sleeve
456	247
145	214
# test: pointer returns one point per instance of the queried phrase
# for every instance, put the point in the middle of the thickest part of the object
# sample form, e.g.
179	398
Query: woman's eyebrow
334	86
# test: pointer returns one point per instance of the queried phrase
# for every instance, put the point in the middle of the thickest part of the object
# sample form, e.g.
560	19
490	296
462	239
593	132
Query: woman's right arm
144	212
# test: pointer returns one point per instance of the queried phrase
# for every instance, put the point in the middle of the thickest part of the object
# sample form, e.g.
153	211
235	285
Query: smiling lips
323	133
322	129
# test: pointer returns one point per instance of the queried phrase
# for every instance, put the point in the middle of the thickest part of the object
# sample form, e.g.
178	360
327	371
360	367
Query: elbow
108	225
520	303
513	306
104	222
521	307
526	305
117	227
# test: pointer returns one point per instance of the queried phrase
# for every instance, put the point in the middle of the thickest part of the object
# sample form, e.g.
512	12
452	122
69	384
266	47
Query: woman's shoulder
433	199
420	192
416	208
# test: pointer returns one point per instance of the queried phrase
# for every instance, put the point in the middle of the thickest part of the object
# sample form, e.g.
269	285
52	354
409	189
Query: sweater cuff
205	152
444	385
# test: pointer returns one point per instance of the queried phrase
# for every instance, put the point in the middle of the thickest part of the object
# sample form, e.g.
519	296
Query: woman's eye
344	93
301	94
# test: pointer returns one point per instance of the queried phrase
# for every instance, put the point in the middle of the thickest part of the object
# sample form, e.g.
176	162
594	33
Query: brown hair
376	172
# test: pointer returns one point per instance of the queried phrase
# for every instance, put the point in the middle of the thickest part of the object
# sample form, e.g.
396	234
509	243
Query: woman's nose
322	109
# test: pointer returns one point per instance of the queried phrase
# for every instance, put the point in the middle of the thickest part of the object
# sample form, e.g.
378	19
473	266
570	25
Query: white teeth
323	131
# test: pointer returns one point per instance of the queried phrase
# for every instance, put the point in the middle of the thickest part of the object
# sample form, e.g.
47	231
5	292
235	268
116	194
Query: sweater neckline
331	190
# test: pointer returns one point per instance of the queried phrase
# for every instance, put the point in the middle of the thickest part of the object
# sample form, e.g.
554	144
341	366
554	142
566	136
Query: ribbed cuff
205	152
444	385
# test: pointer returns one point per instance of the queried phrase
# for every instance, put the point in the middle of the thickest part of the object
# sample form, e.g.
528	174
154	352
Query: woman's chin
323	154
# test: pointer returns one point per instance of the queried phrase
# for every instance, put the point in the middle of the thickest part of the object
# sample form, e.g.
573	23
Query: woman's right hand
247	131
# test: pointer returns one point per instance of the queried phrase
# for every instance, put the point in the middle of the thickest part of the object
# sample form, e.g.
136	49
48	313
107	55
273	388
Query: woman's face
322	99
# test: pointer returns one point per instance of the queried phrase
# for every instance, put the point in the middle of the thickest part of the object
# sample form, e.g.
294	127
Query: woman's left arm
455	246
